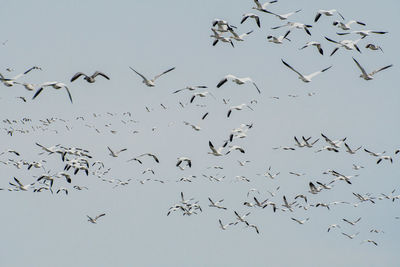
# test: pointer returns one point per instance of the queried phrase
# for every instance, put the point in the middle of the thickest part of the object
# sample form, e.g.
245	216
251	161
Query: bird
326	13
20	186
375	154
348	44
148	154
300	222
200	94
354	222
283	16
305	78
150	83
187	160
215	204
115	153
369	76
373	47
11	81
55	85
238	37
333	226
195	127
350	236
253	226
89	79
336	143
215	152
279	39
348	149
261	7
384	158
224	227
313	43
253	16
241	218
218	37
94	220
296	25
238	107
363	33
370	241
235	148
346	26
237	80
190	88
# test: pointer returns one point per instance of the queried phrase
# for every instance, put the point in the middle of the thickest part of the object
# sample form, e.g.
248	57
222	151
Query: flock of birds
74	161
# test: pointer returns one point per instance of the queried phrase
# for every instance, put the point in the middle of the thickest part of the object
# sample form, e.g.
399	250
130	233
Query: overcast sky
65	37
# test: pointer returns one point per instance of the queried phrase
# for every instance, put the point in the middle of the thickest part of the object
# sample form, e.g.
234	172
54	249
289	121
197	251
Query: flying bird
326	13
94	220
305	78
237	80
253	16
150	83
55	85
89	79
369	76
313	43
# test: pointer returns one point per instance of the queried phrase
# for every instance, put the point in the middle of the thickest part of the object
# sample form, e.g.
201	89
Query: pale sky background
64	37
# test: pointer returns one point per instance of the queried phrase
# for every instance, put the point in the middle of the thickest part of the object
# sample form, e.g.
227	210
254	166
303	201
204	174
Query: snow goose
313	43
253	16
305	78
261	7
326	13
150	83
238	81
369	76
279	39
346	26
348	44
55	85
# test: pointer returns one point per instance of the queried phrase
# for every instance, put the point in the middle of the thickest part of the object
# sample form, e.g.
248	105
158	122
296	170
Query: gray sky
64	37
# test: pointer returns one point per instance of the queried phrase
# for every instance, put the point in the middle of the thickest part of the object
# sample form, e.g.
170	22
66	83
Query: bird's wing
15	179
290	67
77	75
330	40
318	72
317	17
360	67
101	74
378	70
212	147
101	215
37	92
144	78
224	80
294	219
69	93
157	76
256	87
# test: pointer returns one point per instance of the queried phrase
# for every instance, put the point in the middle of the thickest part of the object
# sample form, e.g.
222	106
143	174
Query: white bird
333	226
300	222
363	33
195	127
215	152
237	80
89	79
296	25
346	26
238	37
305	78
55	85
357	167
232	148
190	88
370	241
261	7
224	227
219	37
374	47
350	236
94	220
241	218
187	160
316	44
335	143
216	204
253	16
348	44
252	225
369	76
349	150
287	205
20	186
239	107
116	153
354	222
375	154
147	154
384	158
150	83
283	16
201	94
11	81
326	13
279	39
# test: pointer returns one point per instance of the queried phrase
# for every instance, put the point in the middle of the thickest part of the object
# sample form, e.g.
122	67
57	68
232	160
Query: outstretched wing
157	76
77	75
378	70
360	67
290	67
101	74
144	78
